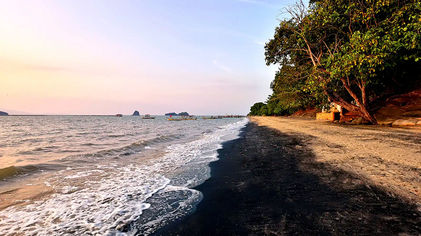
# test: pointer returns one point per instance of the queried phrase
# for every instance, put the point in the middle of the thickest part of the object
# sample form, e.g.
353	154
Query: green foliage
352	52
257	108
382	34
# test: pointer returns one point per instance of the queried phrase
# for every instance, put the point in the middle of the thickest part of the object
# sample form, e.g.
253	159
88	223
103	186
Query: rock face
402	122
136	113
2	113
402	106
401	110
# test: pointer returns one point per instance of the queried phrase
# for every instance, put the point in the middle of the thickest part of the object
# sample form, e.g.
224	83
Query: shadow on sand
267	182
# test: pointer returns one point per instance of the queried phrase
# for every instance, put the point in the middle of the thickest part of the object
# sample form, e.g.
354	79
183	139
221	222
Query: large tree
351	49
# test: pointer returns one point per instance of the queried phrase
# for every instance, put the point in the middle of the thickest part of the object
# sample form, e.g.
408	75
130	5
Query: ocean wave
103	208
189	165
14	171
111	199
8	172
122	151
38	149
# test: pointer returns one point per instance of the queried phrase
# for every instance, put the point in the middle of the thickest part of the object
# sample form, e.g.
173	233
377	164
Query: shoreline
272	182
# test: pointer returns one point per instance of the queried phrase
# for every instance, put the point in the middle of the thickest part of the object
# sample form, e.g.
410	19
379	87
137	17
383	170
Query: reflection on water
79	174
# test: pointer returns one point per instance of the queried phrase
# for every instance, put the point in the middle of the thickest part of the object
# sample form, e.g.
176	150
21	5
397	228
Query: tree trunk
367	115
360	109
361	105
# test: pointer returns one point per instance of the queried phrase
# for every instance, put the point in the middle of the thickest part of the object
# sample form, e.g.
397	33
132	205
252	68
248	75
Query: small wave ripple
109	200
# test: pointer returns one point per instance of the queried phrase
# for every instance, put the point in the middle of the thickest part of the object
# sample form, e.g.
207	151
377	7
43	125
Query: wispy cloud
48	68
261	43
257	2
22	65
75	69
221	66
250	1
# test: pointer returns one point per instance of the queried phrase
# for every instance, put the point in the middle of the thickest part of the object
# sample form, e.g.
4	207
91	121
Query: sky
155	56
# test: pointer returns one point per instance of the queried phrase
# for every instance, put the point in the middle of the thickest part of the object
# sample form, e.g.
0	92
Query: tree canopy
258	109
355	53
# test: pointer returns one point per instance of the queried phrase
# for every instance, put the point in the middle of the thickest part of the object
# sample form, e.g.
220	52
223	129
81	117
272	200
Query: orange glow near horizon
61	57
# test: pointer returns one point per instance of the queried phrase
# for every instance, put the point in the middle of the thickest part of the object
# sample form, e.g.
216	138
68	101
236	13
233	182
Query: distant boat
232	116
148	117
119	115
211	117
182	118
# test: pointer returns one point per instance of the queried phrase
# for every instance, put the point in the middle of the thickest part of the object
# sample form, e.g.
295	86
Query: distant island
2	113
179	114
183	114
136	113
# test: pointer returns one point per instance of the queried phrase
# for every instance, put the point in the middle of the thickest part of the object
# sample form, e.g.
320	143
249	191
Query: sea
104	175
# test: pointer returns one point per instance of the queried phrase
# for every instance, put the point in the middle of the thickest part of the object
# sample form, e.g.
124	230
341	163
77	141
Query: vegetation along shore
354	54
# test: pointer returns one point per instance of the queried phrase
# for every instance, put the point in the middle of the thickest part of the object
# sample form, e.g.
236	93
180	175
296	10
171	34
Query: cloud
261	43
258	2
250	1
48	68
21	65
221	66
92	70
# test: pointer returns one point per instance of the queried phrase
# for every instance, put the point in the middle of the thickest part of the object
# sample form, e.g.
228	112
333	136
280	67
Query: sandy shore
385	157
310	178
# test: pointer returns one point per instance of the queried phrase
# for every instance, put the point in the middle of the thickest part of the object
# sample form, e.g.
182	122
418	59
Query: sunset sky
155	56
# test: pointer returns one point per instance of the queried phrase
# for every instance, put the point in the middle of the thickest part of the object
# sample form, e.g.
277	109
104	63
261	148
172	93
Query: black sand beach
268	183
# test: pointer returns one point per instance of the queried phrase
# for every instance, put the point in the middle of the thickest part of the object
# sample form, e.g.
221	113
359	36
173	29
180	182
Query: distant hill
175	114
2	113
14	112
136	113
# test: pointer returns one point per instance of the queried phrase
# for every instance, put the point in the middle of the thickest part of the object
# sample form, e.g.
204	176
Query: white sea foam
104	200
188	165
99	208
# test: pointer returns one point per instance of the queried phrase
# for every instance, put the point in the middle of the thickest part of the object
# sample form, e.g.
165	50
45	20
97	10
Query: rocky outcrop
309	112
401	110
403	122
2	113
136	113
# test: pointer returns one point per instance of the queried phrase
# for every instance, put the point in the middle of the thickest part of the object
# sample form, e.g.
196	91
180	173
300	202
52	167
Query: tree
264	110
257	108
349	47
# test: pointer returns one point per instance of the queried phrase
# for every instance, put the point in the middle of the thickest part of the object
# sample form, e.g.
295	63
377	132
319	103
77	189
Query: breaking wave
112	199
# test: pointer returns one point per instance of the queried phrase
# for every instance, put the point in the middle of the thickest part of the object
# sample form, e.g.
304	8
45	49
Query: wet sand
271	182
24	190
21	195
